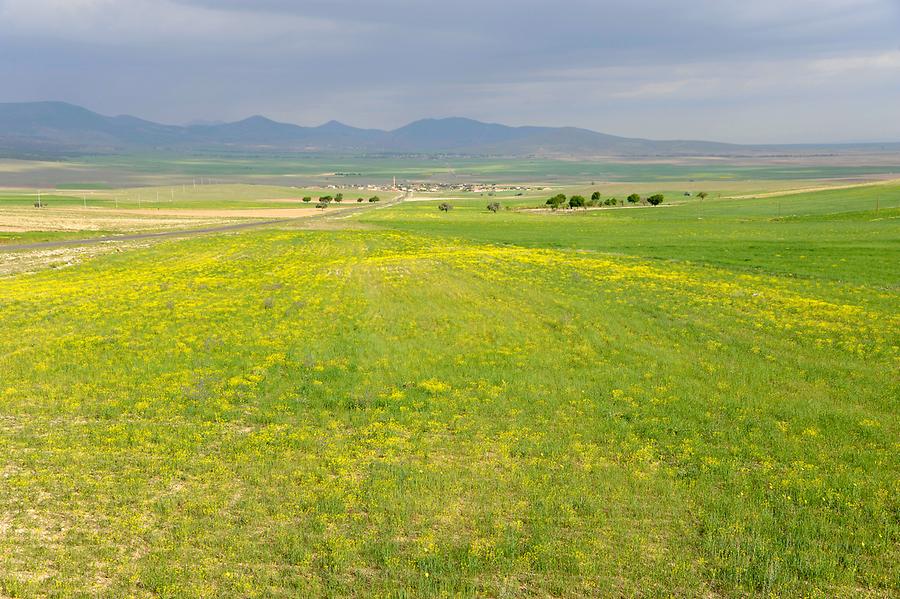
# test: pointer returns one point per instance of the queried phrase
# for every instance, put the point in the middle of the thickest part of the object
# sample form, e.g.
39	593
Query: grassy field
109	172
848	235
692	400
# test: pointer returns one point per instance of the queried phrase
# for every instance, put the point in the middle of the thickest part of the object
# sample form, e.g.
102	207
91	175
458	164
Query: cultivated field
697	399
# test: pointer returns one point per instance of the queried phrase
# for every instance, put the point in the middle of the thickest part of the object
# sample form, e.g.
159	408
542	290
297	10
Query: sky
745	71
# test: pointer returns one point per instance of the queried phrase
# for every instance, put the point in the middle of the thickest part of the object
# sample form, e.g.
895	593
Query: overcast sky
729	70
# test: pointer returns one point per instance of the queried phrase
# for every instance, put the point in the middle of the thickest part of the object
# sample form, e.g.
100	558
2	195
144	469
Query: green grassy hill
674	401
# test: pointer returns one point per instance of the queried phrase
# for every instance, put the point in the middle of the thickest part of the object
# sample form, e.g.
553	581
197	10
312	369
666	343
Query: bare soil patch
15	263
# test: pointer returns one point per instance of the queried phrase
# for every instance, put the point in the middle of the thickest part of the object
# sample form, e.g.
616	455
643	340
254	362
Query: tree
493	206
595	196
702	195
325	199
307	199
445	207
339	198
634	198
557	200
374	199
576	202
656	199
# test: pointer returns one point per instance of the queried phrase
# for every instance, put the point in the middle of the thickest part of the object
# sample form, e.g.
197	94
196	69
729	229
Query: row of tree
579	201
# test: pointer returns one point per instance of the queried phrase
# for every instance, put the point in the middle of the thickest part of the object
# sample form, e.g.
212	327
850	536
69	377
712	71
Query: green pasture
693	400
847	235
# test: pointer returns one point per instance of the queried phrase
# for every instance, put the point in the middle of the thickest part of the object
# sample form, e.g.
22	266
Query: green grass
834	235
15	238
610	403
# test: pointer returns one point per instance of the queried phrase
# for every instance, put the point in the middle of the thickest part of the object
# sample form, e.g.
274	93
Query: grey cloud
655	68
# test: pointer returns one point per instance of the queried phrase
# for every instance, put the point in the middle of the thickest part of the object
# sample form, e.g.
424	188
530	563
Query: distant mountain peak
258	119
334	125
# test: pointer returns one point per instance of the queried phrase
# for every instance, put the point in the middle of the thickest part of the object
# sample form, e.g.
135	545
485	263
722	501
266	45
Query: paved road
187	232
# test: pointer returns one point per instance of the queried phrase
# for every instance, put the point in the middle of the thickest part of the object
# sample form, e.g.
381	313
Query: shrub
595	196
374	199
339	197
634	198
360	200
445	207
656	199
322	205
307	199
493	206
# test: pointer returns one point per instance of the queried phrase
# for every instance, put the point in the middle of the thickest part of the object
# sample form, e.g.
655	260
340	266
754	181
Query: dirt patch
17	263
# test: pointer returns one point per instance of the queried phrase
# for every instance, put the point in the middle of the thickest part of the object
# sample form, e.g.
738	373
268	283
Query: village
438	187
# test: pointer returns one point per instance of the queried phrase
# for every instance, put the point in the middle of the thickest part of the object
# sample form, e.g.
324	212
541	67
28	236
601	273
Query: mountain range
37	128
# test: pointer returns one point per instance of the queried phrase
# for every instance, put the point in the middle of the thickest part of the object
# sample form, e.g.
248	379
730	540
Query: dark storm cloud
804	70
